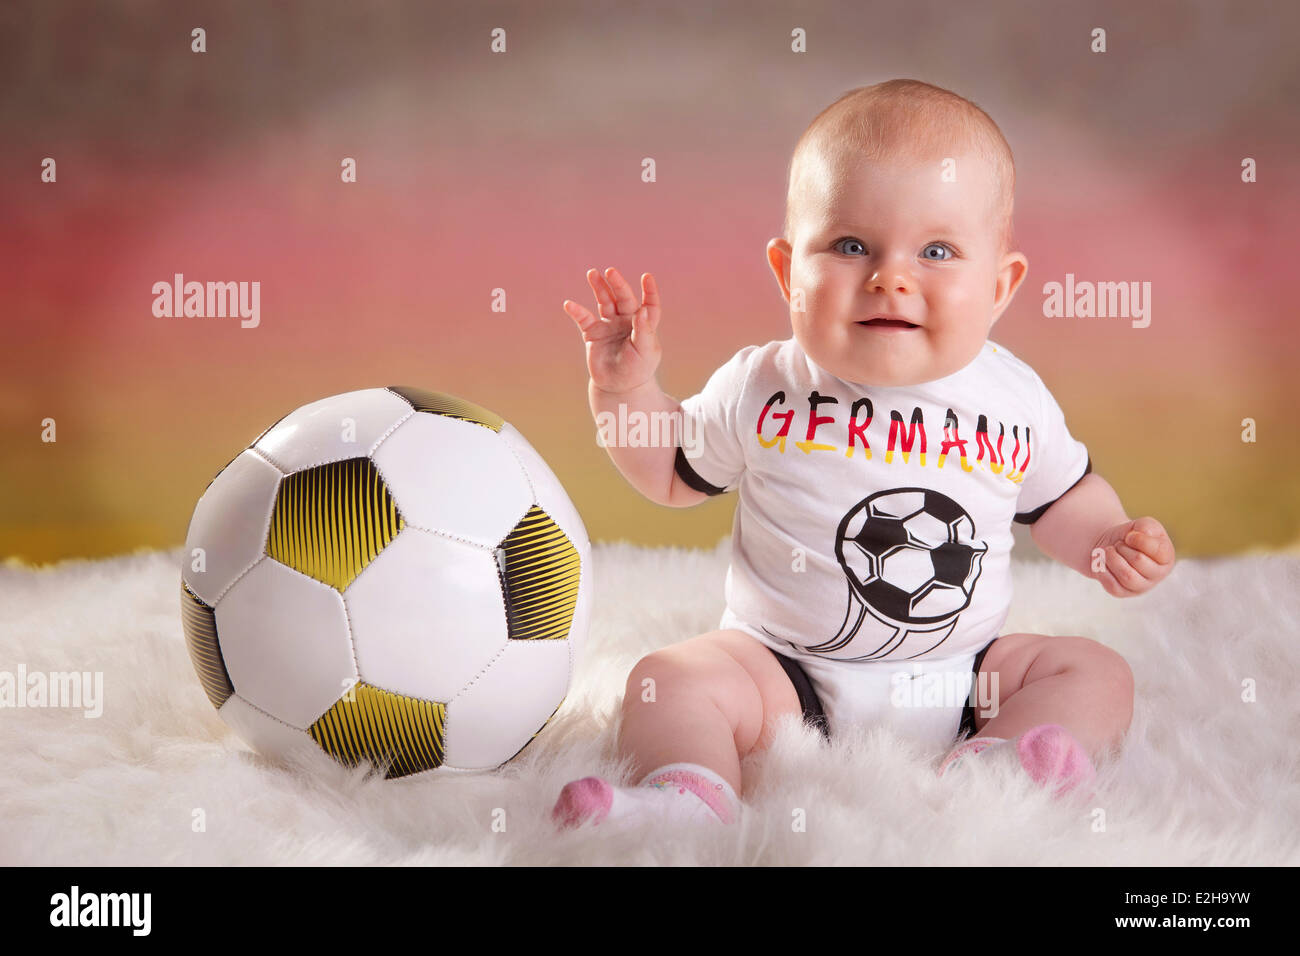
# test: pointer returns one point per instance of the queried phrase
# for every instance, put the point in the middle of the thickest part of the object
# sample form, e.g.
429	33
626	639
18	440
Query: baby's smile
883	323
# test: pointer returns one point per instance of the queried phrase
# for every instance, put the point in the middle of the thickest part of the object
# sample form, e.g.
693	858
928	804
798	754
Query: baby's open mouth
888	324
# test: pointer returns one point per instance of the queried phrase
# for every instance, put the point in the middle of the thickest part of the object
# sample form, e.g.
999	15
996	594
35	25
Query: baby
880	455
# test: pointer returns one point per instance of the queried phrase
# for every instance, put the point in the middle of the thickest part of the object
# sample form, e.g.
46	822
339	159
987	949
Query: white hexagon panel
533	676
267	734
907	568
939	600
926	530
897	504
341	426
227	533
427	615
285	642
454	477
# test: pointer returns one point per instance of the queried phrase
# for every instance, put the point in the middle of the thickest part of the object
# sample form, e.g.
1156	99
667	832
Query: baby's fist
1133	557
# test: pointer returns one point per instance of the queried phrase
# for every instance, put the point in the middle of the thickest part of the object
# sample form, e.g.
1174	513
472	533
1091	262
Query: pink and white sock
1049	753
1053	757
968	748
675	791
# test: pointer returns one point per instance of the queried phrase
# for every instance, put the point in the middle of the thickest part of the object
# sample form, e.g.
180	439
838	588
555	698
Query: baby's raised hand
622	344
1138	555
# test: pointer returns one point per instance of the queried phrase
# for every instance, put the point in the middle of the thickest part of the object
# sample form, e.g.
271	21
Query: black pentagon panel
199	622
879	535
440	403
944	508
398	734
888	599
329	522
952	562
540	574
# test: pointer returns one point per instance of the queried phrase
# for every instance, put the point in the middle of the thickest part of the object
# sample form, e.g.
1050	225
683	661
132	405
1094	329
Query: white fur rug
1205	777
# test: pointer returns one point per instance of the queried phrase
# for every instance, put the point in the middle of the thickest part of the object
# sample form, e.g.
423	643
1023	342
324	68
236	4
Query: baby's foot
1053	757
674	792
1049	754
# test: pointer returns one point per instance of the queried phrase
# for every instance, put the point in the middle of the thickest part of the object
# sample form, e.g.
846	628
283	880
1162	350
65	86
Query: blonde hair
900	119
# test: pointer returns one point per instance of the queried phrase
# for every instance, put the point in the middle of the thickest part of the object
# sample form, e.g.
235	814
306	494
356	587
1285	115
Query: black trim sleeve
688	474
1029	517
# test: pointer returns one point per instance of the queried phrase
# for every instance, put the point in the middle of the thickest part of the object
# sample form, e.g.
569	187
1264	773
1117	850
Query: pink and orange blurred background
520	170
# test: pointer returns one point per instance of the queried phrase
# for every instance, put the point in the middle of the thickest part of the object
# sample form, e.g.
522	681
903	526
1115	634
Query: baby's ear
1011	273
778	259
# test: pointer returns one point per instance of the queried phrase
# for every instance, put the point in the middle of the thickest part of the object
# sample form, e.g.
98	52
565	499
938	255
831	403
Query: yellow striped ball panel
440	403
330	521
541	577
200	624
404	735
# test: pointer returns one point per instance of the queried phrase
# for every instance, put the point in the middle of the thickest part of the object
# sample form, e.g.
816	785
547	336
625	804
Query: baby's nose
890	279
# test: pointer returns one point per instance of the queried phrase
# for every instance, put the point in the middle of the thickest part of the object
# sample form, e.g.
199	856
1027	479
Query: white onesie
872	539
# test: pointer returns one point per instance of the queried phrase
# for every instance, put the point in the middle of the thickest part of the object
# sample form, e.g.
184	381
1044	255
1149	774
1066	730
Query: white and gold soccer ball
392	573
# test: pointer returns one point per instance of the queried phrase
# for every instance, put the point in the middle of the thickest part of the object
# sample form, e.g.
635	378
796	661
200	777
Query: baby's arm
623	354
650	469
1137	554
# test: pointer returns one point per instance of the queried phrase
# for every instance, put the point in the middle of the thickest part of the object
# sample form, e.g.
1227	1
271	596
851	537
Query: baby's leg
1076	682
708	701
1063	701
690	713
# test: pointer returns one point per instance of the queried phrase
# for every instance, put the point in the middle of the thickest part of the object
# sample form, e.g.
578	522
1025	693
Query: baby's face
895	239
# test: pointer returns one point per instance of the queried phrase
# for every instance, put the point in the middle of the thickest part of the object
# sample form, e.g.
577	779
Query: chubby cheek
801	284
971	295
805	301
960	320
815	334
804	329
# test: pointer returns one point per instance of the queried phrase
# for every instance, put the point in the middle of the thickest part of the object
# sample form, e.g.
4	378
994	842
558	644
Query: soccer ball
911	560
393	574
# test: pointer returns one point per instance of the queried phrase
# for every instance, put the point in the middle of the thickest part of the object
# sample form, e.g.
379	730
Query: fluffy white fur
1204	778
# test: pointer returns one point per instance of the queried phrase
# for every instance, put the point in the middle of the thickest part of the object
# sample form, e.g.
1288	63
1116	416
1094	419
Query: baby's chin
884	378
900	370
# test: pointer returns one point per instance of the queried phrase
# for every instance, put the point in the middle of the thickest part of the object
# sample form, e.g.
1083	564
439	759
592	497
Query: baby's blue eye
936	245
850	242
